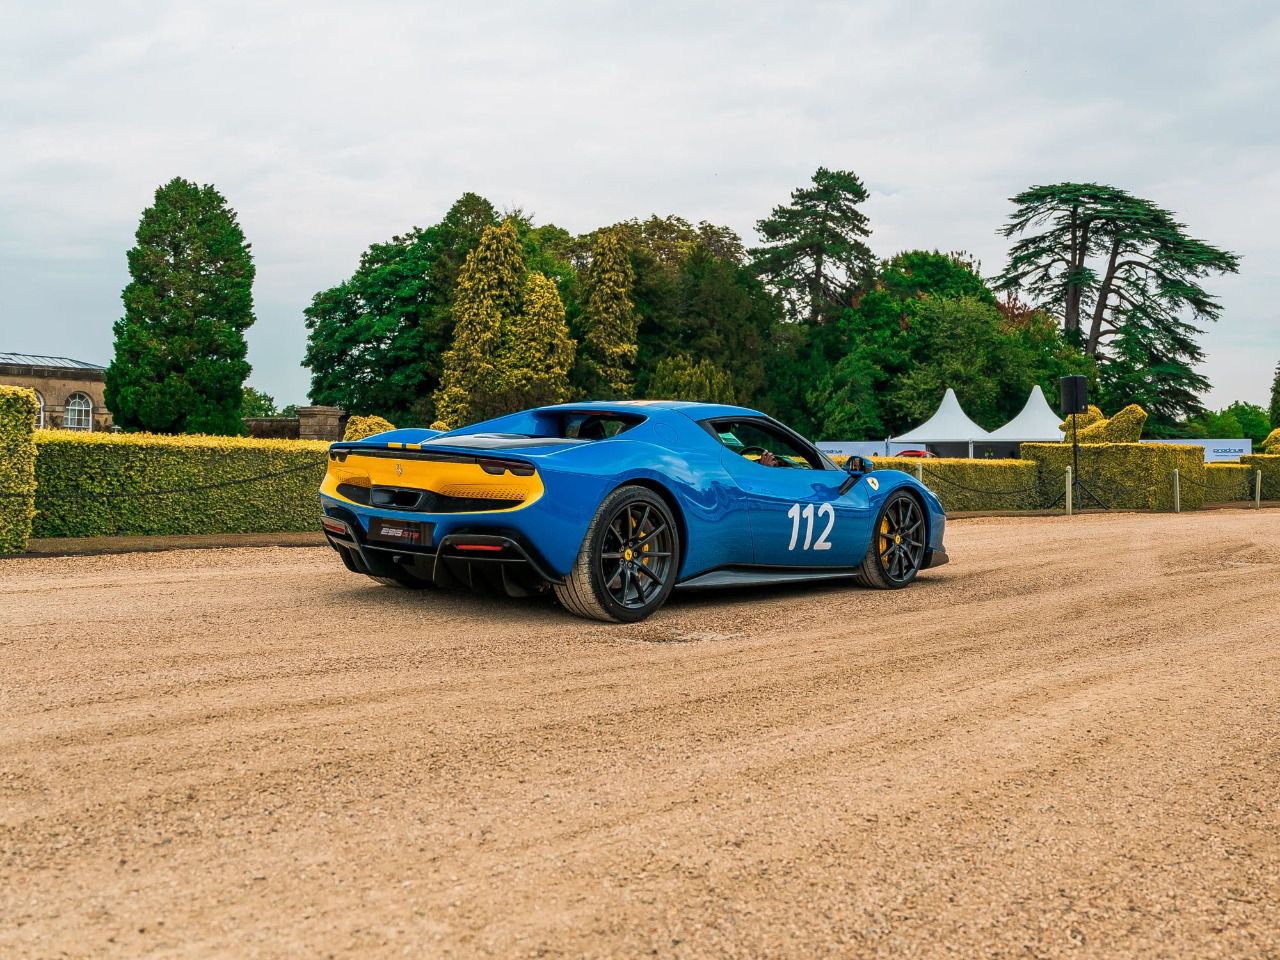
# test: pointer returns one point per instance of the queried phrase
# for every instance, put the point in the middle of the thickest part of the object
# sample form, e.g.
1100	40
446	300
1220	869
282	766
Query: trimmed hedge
963	484
99	484
18	410
1269	464
1225	482
1271	443
1124	476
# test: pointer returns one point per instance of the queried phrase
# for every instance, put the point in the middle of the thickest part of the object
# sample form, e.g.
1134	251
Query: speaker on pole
1075	395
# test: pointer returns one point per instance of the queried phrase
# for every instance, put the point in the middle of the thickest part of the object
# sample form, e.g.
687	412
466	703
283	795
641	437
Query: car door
797	514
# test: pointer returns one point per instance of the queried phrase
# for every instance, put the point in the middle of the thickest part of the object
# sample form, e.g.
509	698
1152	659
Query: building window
40	411
78	414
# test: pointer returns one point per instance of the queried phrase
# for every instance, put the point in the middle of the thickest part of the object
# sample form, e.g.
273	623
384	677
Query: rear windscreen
595	426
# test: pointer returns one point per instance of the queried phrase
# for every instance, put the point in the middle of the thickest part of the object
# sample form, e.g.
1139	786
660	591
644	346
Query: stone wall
321	423
311	423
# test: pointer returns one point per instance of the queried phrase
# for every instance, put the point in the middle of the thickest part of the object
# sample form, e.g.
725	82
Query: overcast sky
329	126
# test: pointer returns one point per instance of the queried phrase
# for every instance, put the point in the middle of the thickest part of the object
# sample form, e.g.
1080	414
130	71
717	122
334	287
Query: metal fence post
920	472
1257	490
1069	504
1177	491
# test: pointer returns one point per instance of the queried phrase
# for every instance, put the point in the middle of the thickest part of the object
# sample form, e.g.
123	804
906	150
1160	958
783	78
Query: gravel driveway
1064	743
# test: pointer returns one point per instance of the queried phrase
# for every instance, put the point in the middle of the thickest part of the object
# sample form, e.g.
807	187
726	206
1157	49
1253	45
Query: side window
760	443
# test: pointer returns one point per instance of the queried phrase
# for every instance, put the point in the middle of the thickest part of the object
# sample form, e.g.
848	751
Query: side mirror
856	468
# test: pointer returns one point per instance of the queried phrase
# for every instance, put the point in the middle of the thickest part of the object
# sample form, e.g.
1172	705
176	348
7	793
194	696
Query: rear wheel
897	545
627	564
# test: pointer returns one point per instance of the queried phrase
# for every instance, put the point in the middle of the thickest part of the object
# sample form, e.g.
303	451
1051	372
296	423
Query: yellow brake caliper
885	540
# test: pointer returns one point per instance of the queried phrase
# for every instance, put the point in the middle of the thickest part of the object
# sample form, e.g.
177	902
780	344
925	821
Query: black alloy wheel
897	545
628	561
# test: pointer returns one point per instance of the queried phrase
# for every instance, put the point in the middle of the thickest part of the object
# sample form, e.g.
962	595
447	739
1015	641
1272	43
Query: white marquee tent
949	425
1037	421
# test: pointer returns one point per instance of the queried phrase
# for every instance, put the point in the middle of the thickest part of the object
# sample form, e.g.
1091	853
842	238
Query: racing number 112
795	513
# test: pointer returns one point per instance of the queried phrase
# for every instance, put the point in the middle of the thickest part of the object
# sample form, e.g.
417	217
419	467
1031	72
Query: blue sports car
614	505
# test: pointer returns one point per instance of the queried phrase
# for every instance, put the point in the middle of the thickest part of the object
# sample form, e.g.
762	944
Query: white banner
1215	451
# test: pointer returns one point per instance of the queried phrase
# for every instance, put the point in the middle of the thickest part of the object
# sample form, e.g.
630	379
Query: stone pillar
320	423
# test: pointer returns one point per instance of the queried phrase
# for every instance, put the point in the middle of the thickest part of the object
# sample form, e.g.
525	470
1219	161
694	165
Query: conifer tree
511	344
679	378
538	353
1275	399
1124	276
814	251
610	321
179	364
487	297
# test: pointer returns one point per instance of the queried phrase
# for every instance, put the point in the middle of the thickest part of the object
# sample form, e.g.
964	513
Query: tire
898	541
627	564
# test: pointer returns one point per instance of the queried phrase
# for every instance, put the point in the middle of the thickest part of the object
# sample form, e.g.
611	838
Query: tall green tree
180	353
693	295
1275	399
814	252
255	403
1126	280
511	345
376	341
1255	423
609	319
926	322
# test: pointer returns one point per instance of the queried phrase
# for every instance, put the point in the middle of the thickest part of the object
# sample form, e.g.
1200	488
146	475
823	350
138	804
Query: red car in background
914	453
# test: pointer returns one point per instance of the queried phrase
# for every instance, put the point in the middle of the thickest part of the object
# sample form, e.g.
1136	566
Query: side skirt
759	576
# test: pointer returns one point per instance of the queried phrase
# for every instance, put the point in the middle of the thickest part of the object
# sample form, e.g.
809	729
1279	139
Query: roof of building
948	425
34	360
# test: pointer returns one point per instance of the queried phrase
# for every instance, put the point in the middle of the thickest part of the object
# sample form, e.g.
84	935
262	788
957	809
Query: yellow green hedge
1269	464
18	409
99	484
962	484
1225	482
1123	476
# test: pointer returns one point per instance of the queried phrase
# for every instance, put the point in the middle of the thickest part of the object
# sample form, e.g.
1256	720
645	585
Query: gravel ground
1065	743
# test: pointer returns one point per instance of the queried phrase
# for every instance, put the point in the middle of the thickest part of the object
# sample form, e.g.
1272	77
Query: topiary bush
1225	482
1091	416
1125	427
1126	476
1271	444
1269	464
18	410
360	427
100	484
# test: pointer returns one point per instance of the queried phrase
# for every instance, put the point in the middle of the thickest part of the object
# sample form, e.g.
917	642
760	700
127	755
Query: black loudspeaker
1075	395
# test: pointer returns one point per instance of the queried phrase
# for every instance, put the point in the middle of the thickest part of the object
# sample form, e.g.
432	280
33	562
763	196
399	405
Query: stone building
70	391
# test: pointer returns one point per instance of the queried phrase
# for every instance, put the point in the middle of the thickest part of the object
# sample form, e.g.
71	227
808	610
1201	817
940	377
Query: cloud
330	126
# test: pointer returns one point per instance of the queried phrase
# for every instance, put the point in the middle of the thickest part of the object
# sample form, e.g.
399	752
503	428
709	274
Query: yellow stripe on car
438	476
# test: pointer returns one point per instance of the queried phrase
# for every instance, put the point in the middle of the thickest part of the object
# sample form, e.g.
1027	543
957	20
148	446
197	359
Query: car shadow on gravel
543	607
765	593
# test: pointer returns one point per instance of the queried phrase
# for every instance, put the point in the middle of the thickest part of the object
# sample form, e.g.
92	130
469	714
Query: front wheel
627	564
897	545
